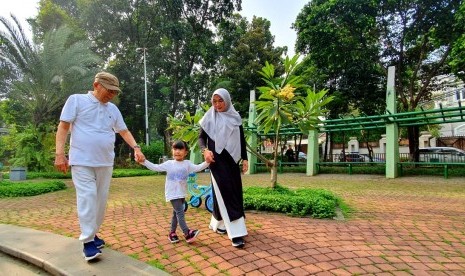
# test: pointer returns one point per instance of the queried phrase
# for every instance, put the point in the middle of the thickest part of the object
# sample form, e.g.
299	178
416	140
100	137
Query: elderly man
92	121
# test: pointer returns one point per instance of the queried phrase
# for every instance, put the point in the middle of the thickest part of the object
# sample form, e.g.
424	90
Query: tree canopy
351	43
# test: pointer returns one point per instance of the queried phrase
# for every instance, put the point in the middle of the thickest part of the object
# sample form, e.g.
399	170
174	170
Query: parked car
357	157
352	157
302	157
441	154
374	159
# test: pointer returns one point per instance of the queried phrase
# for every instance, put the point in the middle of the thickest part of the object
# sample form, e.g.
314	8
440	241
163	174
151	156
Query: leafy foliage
142	171
278	105
46	74
133	172
351	44
457	62
301	202
245	48
187	128
181	51
32	148
18	189
154	151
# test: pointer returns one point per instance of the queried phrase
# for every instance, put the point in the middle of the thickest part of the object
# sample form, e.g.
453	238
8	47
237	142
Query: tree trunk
413	142
329	144
274	176
274	169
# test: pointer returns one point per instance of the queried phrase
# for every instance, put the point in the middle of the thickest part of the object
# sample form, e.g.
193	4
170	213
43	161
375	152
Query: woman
222	143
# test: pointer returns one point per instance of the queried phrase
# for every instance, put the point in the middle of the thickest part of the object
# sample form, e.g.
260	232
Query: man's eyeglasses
113	92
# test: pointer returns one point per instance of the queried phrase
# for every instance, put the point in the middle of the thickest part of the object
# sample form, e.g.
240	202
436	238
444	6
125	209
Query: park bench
444	165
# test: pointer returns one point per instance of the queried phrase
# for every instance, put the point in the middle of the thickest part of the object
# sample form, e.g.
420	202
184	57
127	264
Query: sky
281	14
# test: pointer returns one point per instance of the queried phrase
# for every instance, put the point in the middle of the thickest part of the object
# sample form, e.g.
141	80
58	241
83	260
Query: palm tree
37	79
41	77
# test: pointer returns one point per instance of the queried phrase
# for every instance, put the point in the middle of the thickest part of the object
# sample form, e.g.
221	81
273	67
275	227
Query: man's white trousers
92	186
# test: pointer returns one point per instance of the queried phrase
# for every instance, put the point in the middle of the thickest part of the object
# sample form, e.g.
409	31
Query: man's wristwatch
136	147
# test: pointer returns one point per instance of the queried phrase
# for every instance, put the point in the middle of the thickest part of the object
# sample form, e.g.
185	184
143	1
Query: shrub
301	202
154	151
133	172
17	189
48	175
142	171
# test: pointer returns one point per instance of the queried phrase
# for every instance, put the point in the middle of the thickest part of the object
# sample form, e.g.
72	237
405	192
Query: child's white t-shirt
177	173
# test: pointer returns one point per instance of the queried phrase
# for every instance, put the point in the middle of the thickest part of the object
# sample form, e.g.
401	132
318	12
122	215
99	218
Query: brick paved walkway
417	229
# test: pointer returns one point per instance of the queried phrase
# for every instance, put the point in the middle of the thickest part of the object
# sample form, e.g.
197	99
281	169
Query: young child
177	172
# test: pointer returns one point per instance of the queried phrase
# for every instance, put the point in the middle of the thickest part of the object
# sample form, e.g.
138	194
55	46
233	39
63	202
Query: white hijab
223	127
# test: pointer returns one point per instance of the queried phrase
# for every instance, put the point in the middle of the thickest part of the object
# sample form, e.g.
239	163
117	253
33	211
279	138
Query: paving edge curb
60	255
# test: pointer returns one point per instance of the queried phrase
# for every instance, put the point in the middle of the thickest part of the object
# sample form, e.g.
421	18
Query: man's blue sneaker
91	251
99	243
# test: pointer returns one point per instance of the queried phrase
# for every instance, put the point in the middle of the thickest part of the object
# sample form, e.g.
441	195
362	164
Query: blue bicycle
198	192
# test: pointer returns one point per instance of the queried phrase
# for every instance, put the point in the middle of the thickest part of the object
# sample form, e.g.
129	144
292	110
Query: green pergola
391	121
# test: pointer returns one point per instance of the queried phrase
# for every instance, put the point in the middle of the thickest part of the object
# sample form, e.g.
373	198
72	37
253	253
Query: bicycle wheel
195	201
209	203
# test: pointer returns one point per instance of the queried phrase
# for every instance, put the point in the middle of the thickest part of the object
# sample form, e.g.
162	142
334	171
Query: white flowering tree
280	105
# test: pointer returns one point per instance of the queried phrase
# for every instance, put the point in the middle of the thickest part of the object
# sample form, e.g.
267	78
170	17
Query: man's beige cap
108	81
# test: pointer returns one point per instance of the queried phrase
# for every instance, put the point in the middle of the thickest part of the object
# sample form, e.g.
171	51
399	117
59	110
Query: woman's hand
245	166
208	156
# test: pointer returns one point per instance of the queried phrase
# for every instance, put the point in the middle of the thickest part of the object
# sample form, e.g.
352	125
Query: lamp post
145	94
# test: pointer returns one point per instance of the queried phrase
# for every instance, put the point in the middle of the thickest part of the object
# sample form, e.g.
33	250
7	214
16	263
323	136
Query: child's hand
208	155
140	159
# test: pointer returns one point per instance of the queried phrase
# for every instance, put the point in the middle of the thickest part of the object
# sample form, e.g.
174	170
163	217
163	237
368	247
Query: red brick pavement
418	229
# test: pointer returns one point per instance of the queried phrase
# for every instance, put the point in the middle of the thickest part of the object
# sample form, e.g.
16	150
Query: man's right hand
139	157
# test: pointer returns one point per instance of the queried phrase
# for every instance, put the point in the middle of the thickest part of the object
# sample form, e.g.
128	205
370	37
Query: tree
457	62
181	50
44	76
278	105
52	16
415	36
245	48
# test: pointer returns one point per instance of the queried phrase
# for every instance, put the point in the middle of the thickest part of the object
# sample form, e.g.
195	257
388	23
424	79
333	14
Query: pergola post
313	155
252	140
392	133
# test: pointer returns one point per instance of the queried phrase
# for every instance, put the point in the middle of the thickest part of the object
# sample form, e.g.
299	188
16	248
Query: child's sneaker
190	237
173	237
